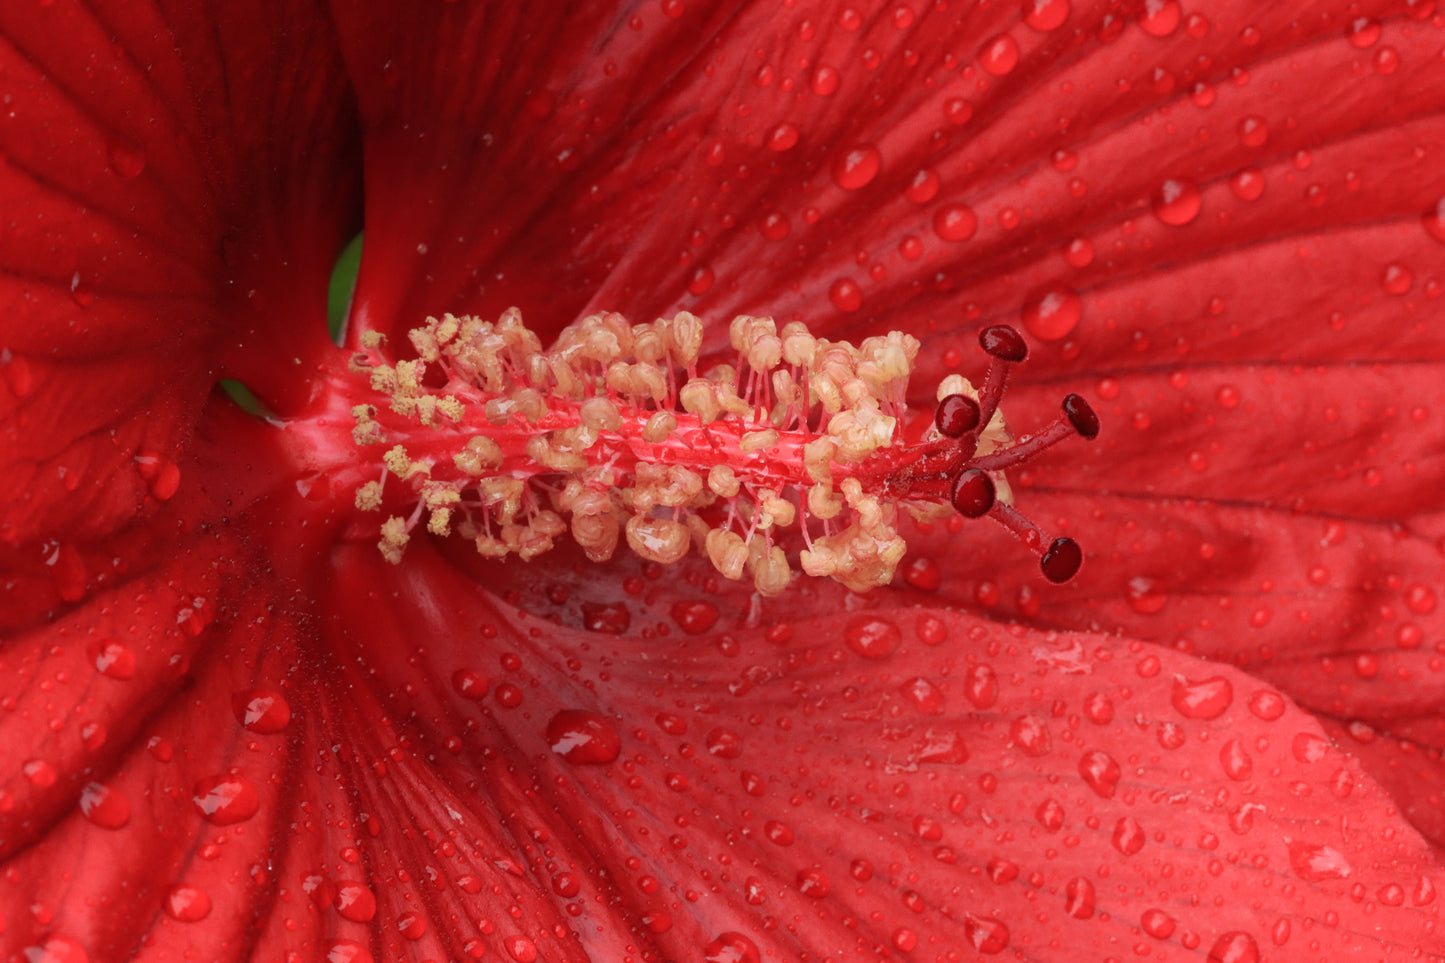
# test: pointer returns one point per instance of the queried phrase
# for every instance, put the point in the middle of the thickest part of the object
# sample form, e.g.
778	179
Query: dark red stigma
972	490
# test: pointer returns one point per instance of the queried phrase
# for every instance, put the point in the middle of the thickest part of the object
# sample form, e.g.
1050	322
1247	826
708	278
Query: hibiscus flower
232	729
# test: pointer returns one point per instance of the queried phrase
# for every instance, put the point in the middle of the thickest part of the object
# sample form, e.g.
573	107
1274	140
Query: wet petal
148	154
1012	790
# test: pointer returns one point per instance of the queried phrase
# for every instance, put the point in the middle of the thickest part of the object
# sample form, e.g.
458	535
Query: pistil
613	435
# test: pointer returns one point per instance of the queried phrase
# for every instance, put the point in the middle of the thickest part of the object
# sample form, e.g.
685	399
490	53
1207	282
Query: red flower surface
231	730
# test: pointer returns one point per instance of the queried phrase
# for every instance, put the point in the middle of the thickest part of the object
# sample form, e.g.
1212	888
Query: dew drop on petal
1044	15
39	773
355	901
261	710
55	949
1160	18
113	659
724	743
347	951
1128	836
1100	772
845	294
226	799
1206	699
813	883
1234	947
980	685
1079	898
411	925
1396	279
926	697
1052	312
1157	924
955	222
521	949
125	160
104	806
1433	220
613	618
1235	761
470	684
825	80
583	737
1177	202
872	637
731	947
856	167
187	904
694	616
987	934
999	55
1031	735
1267	704
1316	864
924	186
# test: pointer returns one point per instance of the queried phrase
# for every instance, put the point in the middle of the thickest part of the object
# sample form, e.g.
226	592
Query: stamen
615	429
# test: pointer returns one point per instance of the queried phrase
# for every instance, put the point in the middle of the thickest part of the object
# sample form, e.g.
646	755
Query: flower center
613	435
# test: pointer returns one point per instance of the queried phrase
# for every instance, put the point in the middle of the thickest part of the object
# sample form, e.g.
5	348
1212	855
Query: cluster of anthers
613	434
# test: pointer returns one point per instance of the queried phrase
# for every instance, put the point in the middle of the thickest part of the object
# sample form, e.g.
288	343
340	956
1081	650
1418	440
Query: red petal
1003	789
147	151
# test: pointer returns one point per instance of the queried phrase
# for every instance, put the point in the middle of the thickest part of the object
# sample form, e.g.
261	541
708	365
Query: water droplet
724	743
987	934
694	616
1396	279
813	883
1031	735
583	737
1433	220
957	111
411	925
125	160
1252	131
825	80
1050	815
999	56
1052	312
924	695
1234	947
1043	15
783	137
980	684
775	226
1235	761
1160	18
226	799
187	904
55	949
1157	924
347	951
470	684
1079	898
872	637
39	773
261	710
955	222
1267	704
113	659
731	947
1099	708
612	618
846	295
354	901
1206	699
1363	32
924	186
1128	836
1177	202
521	949
1101	772
1079	252
856	167
1317	863
106	807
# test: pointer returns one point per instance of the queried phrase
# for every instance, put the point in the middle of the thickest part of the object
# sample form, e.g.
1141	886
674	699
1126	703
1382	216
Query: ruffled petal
149	151
417	768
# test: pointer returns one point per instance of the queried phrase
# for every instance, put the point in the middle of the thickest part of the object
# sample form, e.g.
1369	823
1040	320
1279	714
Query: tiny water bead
615	435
